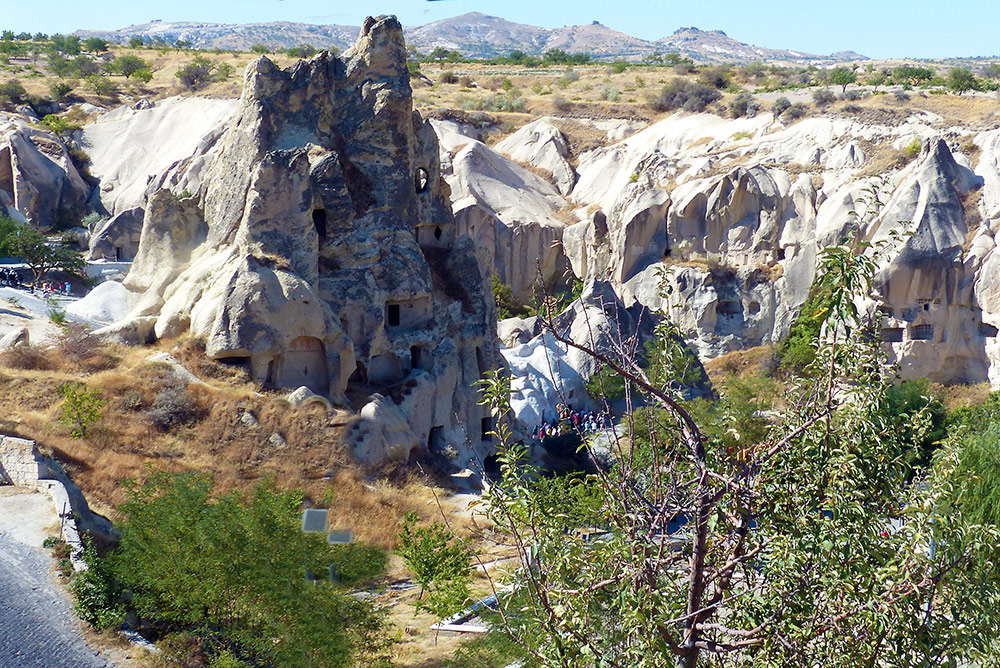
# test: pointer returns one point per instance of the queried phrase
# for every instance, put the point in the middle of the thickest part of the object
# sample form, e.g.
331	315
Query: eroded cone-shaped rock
321	251
38	180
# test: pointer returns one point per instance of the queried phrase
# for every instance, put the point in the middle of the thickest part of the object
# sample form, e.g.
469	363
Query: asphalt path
38	628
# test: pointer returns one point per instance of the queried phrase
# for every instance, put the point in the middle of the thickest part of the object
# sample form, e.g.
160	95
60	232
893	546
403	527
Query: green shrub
81	408
912	149
440	565
231	569
610	94
97	595
684	94
619	66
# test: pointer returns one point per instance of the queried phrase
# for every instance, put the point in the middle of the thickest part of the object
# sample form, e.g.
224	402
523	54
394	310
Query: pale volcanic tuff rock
730	214
38	181
509	211
320	251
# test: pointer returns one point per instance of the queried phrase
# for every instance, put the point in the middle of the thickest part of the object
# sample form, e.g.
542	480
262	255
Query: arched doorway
304	363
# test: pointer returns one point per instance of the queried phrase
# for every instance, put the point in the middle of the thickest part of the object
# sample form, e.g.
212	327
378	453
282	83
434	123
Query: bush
795	112
440	565
619	66
100	85
610	94
197	73
901	96
686	95
172	407
568	77
81	408
912	149
12	92
779	106
60	89
744	105
823	96
448	77
179	558
510	102
97	596
851	95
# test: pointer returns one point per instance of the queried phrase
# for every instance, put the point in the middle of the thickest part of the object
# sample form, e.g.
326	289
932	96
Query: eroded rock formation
320	251
38	181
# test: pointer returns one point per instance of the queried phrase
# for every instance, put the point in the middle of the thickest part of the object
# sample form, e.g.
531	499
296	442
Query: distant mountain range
475	35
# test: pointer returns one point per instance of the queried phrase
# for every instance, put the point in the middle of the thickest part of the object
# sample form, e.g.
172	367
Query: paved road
37	626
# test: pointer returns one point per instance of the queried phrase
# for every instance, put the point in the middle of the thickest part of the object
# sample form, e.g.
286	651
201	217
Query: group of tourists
9	278
570	420
50	288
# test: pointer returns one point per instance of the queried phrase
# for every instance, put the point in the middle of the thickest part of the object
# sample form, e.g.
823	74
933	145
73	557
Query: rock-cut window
421	180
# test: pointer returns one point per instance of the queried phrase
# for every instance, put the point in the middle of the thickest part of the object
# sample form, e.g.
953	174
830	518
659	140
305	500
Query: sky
876	28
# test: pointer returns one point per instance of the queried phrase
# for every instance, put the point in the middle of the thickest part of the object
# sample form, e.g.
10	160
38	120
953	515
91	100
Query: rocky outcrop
546	372
135	152
510	212
117	238
540	144
718	223
320	251
38	181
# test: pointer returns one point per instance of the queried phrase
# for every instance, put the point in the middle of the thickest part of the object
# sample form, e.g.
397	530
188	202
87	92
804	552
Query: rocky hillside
717	46
474	34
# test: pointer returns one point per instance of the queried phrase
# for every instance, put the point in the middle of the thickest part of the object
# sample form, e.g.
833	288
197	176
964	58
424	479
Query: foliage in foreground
440	565
231	573
730	540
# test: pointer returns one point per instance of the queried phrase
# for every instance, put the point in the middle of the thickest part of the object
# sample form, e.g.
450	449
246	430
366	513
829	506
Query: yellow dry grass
310	454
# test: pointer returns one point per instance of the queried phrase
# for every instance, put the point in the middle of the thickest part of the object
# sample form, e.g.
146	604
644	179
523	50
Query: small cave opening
438	232
779	255
319	222
728	307
754	308
987	330
421	180
392	315
892	334
486	428
360	375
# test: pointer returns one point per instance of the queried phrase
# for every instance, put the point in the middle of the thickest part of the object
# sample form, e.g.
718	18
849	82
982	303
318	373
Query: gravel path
37	626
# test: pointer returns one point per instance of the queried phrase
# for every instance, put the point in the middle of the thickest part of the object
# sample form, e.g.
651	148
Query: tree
843	76
197	73
40	254
81	408
877	79
725	538
135	43
960	80
127	65
232	570
262	49
95	45
440	565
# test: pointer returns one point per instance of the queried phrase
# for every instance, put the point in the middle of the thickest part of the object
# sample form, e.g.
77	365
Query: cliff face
320	251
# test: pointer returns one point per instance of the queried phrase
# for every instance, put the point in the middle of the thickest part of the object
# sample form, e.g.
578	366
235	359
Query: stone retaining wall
23	465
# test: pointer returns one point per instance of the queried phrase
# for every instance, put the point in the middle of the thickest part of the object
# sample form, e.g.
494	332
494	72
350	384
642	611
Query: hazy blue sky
877	28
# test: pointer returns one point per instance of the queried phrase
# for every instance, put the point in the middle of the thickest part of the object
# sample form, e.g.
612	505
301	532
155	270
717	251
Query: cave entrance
392	315
319	222
304	363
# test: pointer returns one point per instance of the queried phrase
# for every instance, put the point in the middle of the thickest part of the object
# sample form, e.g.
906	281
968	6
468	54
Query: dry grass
310	454
960	396
164	64
758	361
